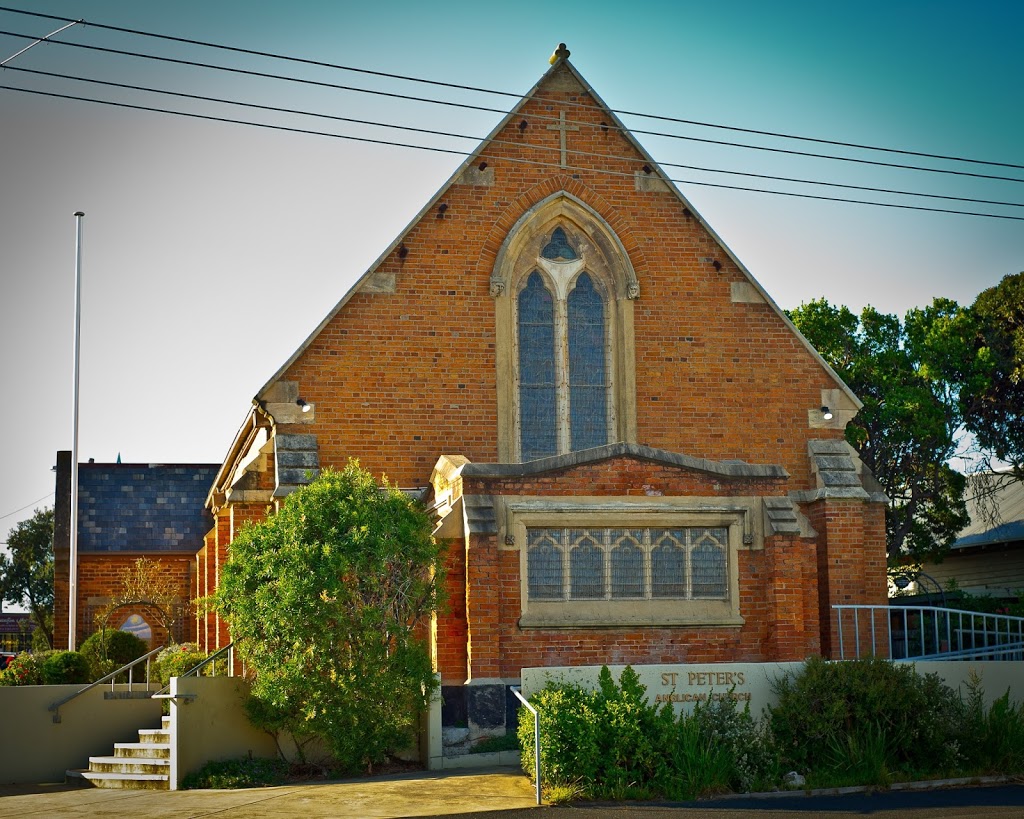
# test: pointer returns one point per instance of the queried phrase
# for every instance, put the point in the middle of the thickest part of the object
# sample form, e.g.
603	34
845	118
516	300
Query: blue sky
212	250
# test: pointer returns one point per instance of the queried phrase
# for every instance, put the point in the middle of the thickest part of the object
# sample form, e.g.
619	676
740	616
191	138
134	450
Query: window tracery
563	286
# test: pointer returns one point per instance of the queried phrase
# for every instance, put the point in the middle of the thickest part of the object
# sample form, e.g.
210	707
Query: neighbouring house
128	511
635	455
987	557
16	630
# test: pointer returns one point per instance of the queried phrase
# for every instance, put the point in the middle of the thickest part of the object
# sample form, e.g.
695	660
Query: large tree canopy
907	430
26	575
327	602
993	398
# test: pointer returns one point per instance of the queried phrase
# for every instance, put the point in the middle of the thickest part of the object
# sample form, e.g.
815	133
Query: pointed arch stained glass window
588	422
537	389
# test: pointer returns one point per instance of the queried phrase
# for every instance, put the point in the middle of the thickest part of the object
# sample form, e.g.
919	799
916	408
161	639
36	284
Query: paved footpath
405	795
500	793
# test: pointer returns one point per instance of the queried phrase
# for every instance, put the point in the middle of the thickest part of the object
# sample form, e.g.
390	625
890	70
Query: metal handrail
55	707
194	671
536	737
938	626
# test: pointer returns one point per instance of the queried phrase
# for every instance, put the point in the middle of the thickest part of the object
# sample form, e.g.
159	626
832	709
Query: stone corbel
497	287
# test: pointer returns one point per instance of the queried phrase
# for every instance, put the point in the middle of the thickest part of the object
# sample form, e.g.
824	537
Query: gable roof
559	64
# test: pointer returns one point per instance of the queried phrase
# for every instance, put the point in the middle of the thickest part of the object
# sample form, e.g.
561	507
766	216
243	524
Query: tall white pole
73	550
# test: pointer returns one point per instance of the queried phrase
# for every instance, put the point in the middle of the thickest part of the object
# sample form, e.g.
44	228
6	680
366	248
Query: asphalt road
1005	801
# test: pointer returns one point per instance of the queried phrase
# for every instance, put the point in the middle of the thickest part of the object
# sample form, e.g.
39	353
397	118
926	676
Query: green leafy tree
907	431
328	602
993	395
26	574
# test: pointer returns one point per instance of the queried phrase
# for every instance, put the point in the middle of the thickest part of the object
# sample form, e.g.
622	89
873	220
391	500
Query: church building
634	454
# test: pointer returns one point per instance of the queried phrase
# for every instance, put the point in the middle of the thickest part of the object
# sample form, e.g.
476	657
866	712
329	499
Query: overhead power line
511	94
502	111
456	152
477	139
27	506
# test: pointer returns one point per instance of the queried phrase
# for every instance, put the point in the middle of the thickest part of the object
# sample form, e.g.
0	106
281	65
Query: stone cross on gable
562	128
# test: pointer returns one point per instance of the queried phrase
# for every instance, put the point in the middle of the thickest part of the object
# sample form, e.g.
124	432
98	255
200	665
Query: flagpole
73	551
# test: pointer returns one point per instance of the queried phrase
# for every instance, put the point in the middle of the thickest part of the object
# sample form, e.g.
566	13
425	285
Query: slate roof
143	507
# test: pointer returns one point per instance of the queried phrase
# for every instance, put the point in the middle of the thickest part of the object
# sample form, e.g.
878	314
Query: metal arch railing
112	676
928	633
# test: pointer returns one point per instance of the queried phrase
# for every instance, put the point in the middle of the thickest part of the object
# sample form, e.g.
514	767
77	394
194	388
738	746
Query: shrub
829	714
247	772
65	668
328	600
613	744
751	760
175	660
569	751
631	736
109	649
25	669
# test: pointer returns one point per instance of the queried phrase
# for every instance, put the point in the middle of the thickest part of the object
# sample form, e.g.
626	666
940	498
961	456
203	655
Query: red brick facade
715	397
408	368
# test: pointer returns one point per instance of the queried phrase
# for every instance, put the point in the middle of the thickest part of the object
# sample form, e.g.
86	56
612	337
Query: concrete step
128	765
119	781
148	750
160	736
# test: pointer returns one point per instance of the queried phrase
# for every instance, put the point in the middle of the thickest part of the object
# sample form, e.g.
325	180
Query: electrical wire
462	87
489	109
27	505
477	139
534	163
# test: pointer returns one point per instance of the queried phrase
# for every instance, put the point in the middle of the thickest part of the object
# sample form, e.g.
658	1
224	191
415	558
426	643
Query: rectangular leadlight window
621	564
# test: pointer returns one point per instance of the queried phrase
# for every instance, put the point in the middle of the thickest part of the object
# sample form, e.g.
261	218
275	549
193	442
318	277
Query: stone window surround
605	259
736	514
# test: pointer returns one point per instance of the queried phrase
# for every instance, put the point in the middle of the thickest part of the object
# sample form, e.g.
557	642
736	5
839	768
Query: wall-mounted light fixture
305	407
523	125
647	168
826	413
482	166
441	209
403	251
717	265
